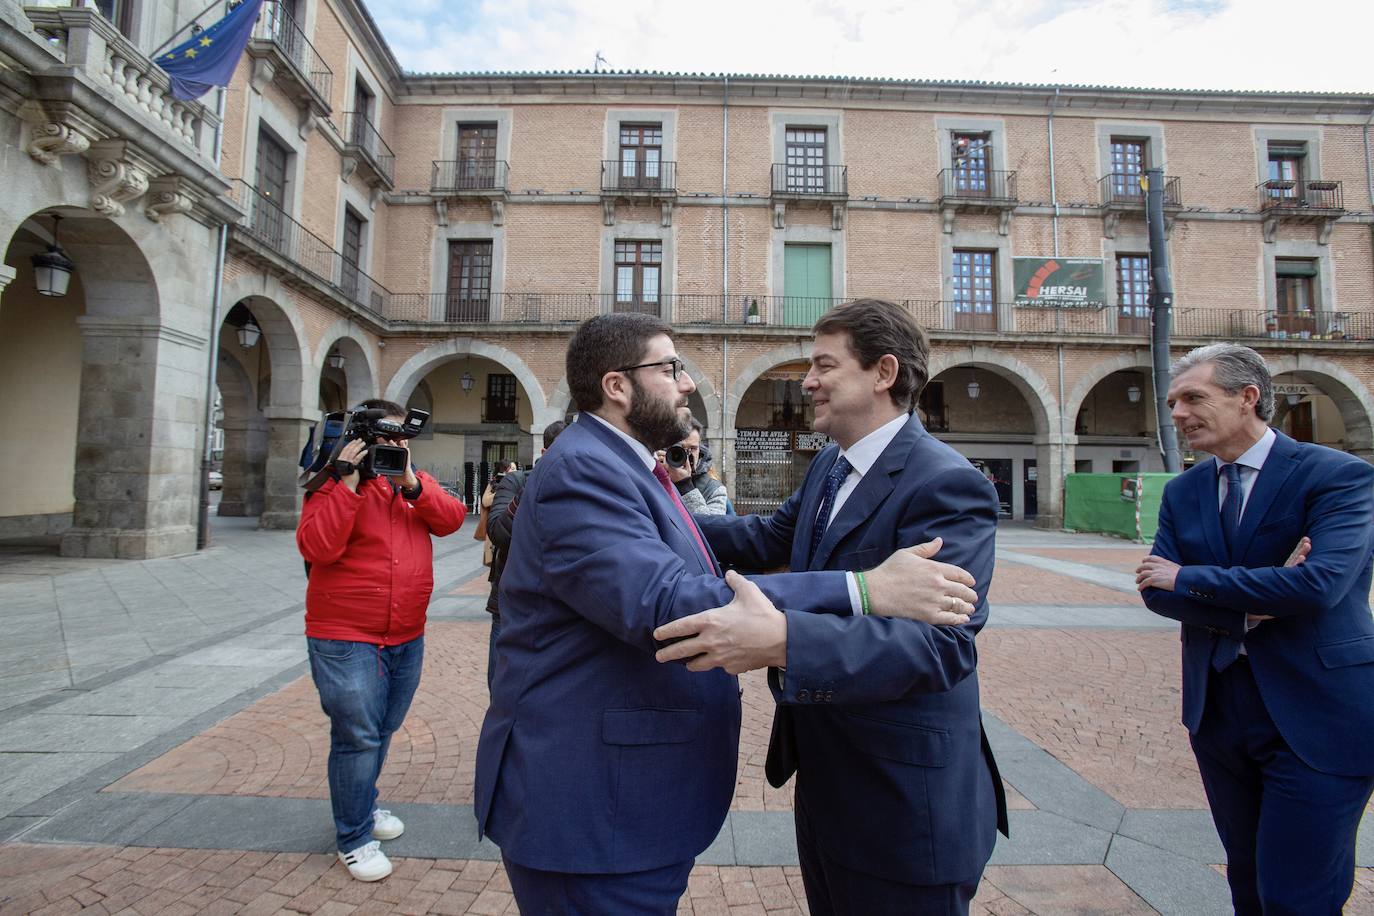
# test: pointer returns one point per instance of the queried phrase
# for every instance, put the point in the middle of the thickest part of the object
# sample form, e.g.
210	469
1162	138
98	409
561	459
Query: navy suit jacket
593	757
880	717
1314	663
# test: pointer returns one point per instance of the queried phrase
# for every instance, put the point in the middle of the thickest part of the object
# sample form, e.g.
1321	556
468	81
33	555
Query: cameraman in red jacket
367	540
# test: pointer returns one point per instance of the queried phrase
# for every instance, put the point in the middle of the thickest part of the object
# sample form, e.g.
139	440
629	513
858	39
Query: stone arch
1042	402
405	379
358	351
288	345
244	461
1135	359
1352	398
739	387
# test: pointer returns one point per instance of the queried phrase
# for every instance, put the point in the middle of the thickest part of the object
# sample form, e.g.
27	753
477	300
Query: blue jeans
366	691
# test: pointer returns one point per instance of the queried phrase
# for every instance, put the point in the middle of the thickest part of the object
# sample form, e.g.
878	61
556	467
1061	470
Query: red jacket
371	563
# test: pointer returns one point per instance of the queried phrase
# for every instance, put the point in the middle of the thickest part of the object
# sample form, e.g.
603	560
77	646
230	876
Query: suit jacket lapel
872	491
636	466
1211	514
1282	461
811	505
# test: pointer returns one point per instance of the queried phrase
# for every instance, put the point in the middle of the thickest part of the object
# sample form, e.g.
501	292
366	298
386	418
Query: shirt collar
863	454
1254	456
640	448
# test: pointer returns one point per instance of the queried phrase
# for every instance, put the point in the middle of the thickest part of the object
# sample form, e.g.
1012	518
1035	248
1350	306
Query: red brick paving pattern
1014	583
1104	702
1118	559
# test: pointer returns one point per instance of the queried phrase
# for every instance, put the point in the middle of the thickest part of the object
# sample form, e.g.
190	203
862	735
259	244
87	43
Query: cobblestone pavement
184	772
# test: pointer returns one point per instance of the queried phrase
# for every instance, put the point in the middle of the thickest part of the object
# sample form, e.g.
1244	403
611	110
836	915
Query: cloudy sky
1208	44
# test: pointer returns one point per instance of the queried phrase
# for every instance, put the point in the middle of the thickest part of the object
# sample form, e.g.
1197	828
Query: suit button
803	695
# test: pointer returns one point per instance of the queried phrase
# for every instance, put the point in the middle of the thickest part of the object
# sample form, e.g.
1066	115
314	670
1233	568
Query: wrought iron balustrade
797	180
473	174
634	177
361	134
278	27
979	185
1122	189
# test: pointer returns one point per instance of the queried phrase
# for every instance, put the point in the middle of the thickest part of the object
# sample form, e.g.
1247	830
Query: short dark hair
552	430
605	343
391	407
696	425
876	328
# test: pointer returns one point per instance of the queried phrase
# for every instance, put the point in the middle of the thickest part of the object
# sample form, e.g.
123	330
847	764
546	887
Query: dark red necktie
661	473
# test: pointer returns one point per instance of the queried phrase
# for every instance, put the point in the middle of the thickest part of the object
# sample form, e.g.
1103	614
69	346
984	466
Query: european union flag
208	58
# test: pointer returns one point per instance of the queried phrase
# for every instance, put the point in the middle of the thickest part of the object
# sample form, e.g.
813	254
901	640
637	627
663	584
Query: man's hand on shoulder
747	633
911	585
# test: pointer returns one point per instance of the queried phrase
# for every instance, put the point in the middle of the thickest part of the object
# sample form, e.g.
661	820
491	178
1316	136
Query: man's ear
615	389
887	372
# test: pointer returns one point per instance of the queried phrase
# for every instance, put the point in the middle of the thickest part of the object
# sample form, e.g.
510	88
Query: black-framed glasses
675	363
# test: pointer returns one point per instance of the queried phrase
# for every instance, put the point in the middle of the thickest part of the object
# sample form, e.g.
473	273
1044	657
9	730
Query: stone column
1051	462
244	466
281	498
136	449
7	275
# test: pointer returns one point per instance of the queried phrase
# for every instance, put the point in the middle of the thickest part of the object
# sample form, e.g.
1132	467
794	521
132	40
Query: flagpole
216	303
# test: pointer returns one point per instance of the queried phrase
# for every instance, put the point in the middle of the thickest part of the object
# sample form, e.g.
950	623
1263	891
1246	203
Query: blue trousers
644	893
1289	830
835	890
366	691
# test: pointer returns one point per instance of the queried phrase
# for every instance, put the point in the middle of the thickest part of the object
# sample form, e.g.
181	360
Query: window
1133	293
638	269
975	290
352	252
469	282
119	12
932	406
502	401
805	166
1295	285
971	158
1128	167
363	131
476	156
1286	167
269	204
641	154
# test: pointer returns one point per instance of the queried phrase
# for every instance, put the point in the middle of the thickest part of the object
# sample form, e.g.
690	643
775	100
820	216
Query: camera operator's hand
408	481
350	455
678	475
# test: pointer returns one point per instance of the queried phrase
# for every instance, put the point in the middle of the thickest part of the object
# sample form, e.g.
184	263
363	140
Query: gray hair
1233	367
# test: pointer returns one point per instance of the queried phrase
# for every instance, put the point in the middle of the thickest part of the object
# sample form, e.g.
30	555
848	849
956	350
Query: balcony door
1294	283
641	156
1133	293
502	401
469	282
972	160
1128	167
806	160
807	284
269	204
638	277
975	290
476	157
1286	162
352	253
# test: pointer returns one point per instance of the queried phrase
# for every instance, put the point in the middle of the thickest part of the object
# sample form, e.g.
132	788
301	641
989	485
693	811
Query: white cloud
1204	44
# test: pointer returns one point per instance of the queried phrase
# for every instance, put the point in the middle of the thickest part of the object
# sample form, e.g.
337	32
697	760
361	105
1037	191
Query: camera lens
675	456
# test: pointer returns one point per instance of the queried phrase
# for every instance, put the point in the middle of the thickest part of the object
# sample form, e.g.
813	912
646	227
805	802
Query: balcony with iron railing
270	236
805	182
279	42
1123	191
635	179
471	177
947	318
364	146
1301	197
977	187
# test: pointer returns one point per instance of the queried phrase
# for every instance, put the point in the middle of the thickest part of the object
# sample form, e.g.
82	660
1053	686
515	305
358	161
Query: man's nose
810	383
685	383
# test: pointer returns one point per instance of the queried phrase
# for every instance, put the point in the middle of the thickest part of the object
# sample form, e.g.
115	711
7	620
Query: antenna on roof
596	64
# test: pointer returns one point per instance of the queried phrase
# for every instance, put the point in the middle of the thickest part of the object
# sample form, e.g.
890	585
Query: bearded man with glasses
601	774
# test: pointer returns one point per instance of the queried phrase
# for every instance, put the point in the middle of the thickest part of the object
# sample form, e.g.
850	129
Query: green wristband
863	593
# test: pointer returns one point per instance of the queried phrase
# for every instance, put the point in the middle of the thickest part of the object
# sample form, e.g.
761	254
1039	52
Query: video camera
368	424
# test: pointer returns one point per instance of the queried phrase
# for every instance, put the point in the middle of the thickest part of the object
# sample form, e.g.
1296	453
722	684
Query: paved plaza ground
162	749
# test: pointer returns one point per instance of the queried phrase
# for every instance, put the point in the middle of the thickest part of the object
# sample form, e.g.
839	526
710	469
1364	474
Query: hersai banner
1059	283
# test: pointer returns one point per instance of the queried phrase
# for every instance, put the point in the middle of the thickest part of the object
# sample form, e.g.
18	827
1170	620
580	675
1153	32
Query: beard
657	424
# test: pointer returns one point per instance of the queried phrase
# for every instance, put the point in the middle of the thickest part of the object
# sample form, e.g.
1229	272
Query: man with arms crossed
898	798
1278	657
600	773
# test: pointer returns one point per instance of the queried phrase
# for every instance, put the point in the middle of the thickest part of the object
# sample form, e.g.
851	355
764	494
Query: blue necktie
833	481
1227	650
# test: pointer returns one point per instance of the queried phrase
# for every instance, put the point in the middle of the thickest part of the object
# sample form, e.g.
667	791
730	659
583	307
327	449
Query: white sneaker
367	862
386	826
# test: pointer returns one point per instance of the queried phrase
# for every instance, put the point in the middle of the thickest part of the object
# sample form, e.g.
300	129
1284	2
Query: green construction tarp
1108	502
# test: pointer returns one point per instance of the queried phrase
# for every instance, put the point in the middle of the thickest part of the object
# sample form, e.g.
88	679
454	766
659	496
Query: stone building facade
436	238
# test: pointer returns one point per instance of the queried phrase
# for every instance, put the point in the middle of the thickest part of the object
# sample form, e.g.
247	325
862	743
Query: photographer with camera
365	533
689	468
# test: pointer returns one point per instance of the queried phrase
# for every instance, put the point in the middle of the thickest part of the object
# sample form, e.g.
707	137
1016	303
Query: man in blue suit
898	798
600	773
1278	657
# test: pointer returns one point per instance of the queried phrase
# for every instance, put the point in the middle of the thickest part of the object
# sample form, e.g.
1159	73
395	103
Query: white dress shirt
1249	463
862	455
